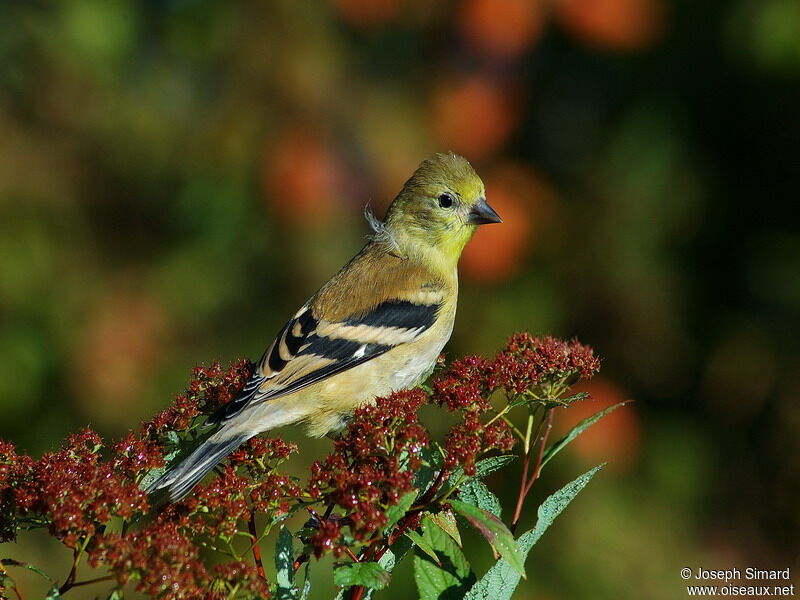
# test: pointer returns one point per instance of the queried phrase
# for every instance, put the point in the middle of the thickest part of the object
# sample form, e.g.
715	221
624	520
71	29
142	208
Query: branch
251	526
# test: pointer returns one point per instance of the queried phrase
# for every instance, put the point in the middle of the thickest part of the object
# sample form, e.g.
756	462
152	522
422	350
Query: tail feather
180	480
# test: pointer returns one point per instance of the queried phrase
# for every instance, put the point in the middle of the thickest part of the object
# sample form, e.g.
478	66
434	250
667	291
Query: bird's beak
482	213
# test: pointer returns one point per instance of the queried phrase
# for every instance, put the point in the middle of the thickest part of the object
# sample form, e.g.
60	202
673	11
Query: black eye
445	201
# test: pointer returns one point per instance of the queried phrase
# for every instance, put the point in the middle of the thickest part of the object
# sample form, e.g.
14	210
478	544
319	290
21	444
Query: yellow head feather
438	209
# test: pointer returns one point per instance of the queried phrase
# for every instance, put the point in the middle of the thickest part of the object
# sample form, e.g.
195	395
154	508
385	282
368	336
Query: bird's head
440	207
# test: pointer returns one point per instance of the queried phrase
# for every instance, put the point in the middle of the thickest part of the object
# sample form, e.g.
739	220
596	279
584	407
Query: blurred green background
177	176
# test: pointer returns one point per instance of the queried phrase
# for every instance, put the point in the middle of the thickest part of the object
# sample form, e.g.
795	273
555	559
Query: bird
377	326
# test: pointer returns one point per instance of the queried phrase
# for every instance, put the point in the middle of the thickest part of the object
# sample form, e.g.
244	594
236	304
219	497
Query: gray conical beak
482	213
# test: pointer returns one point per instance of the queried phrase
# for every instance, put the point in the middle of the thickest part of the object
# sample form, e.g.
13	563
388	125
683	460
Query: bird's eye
445	201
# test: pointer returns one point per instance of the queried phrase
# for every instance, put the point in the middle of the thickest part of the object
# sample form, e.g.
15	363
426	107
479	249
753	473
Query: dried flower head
529	362
372	466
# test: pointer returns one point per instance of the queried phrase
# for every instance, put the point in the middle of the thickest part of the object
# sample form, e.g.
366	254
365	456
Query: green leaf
53	594
10	562
495	532
389	561
395	554
493	463
446	521
432	462
450	580
423	544
482	469
556	447
476	493
284	566
5	583
306	582
575	398
368	574
502	579
396	512
40	573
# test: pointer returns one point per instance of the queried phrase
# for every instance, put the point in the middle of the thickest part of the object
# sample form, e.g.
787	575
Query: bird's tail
180	479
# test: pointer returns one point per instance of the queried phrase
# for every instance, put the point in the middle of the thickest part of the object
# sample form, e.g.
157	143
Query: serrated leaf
396	512
495	532
559	445
284	566
450	580
389	560
476	493
423	544
368	574
482	469
446	521
575	397
502	579
494	463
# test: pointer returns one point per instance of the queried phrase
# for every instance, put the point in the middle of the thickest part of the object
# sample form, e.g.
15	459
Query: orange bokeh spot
473	116
301	178
367	14
504	28
614	438
624	25
122	343
523	200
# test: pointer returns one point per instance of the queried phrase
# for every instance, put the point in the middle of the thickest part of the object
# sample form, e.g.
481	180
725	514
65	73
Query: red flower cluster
527	361
74	490
465	386
165	562
13	467
468	441
210	388
77	490
371	468
523	364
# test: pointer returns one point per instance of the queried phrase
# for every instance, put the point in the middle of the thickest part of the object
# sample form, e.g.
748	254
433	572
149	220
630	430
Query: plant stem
538	466
428	495
499	415
71	577
251	526
514	429
526	482
303	558
95	580
349	553
357	592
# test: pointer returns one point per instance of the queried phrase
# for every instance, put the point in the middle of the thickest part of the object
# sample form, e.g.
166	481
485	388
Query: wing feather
308	350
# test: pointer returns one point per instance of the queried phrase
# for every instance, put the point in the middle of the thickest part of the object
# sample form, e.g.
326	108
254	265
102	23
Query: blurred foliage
177	176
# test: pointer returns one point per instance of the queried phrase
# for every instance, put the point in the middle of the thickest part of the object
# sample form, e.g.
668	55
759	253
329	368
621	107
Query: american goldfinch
376	327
